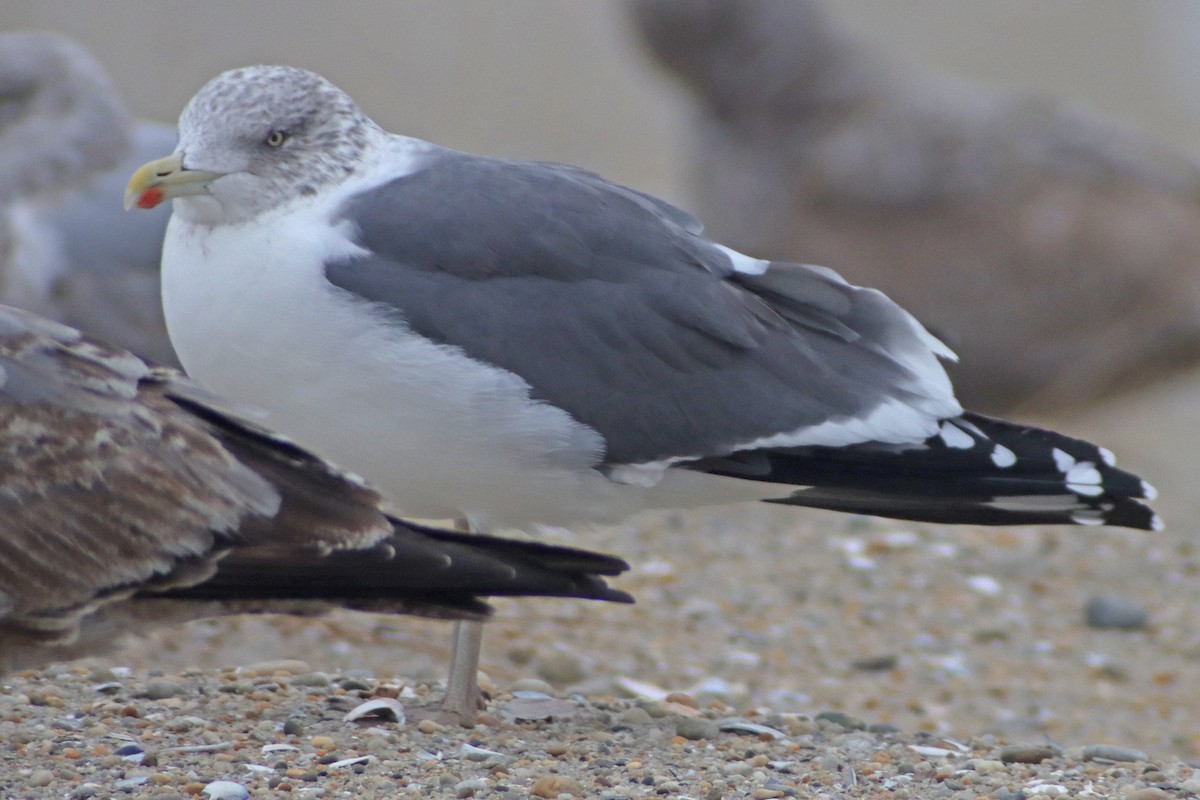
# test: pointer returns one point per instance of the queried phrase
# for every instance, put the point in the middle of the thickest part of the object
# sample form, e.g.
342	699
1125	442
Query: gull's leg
463	698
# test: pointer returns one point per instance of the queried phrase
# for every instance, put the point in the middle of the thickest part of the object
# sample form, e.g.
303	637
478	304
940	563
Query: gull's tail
976	470
416	570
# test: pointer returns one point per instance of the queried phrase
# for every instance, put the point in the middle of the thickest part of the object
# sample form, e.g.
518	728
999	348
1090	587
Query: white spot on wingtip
955	437
1003	457
1107	456
1156	523
1063	460
1149	492
1087	518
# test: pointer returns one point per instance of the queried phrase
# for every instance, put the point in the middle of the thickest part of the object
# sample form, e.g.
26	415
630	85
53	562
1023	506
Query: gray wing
611	306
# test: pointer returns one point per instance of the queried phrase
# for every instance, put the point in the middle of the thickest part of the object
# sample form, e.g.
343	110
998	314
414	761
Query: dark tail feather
420	570
979	471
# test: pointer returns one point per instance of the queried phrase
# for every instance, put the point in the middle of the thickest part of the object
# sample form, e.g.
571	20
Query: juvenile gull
513	342
130	497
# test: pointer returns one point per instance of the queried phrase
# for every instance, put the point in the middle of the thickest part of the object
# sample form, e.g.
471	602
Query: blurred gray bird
1056	252
67	145
131	498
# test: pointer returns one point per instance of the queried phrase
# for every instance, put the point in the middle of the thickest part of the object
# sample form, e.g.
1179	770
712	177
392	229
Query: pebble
293	726
1112	752
283	666
161	689
1115	611
469	787
531	685
226	790
632	718
1028	753
697	728
41	777
85	790
429	726
553	786
847	721
311	679
561	667
879	663
1150	793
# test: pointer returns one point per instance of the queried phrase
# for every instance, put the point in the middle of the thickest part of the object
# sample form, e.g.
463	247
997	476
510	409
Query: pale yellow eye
276	138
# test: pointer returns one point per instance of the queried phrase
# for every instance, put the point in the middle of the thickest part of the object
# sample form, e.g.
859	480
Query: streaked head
253	139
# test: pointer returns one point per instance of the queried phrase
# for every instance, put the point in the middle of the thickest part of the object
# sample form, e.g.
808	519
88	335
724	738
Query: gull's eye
276	138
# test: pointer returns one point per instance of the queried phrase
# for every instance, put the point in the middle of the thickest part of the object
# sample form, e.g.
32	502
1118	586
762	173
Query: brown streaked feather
122	483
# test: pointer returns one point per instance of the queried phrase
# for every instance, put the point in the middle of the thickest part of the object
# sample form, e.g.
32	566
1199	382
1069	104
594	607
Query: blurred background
574	82
569	81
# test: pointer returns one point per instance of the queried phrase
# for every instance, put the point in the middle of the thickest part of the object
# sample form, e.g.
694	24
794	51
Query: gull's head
254	139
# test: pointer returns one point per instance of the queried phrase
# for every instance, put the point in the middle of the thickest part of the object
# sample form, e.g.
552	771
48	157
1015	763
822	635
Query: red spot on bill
150	198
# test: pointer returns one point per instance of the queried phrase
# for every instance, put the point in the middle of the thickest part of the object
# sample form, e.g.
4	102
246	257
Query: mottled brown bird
1057	253
131	497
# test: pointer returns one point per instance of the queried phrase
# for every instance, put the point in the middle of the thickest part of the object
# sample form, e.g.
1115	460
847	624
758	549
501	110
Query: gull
132	498
1054	249
512	343
67	145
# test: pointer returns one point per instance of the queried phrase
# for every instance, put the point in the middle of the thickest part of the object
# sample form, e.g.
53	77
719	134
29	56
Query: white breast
251	315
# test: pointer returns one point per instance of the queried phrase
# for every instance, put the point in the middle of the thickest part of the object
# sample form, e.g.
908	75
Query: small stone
681	698
85	790
561	667
1191	786
632	718
986	766
1028	753
322	742
312	679
429	726
841	718
766	794
41	777
531	685
1114	611
551	786
293	726
283	666
226	790
1112	752
161	689
879	663
468	788
556	749
1150	793
697	728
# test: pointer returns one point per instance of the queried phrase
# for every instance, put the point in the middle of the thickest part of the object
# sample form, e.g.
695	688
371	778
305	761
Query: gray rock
697	728
469	787
312	679
161	689
531	685
1114	611
1112	752
1028	753
561	667
846	721
632	718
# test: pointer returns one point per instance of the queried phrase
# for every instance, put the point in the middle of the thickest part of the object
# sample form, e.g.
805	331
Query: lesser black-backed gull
520	342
